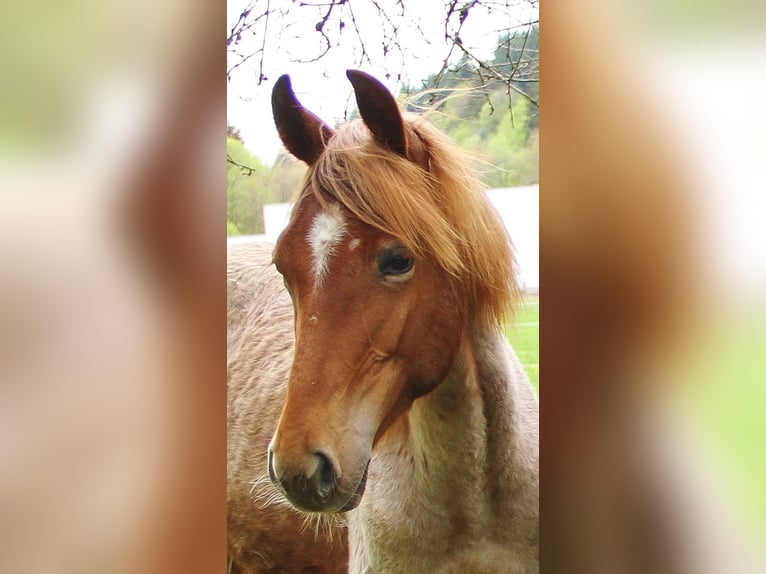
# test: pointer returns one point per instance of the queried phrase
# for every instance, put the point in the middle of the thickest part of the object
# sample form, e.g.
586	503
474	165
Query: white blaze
327	230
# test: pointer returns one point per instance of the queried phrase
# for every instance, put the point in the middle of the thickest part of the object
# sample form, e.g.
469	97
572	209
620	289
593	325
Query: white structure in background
518	206
520	209
275	219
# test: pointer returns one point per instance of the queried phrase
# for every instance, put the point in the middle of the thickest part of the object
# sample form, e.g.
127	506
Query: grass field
524	336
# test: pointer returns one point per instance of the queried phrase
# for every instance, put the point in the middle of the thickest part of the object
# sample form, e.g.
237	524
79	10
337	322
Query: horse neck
468	436
461	466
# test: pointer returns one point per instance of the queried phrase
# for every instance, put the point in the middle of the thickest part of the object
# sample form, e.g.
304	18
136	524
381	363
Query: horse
369	378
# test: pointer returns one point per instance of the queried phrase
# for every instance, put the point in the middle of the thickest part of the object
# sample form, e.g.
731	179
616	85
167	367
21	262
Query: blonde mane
440	212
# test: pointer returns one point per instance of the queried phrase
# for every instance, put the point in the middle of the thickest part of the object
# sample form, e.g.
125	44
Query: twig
246	169
492	72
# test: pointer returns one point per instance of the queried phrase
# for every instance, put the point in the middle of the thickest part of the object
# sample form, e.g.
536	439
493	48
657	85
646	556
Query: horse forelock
438	210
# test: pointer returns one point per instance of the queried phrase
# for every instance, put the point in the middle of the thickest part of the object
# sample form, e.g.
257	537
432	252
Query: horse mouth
307	500
356	498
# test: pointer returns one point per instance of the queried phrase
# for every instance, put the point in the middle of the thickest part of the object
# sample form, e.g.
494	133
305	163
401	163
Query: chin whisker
325	525
263	494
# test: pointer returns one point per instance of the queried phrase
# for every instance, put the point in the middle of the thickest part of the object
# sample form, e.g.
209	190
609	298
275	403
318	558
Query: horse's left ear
303	133
379	111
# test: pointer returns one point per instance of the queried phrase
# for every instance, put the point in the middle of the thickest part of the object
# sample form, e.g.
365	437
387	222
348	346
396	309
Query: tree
501	132
232	132
494	122
285	177
246	189
388	33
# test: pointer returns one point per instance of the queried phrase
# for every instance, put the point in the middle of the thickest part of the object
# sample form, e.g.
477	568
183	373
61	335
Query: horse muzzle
315	486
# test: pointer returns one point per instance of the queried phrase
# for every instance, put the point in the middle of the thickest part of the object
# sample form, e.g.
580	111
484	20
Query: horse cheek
434	344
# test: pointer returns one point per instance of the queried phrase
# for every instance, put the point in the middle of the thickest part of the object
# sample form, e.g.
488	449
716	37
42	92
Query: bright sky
322	86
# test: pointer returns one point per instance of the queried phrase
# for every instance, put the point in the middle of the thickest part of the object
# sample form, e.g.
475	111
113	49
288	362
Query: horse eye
396	263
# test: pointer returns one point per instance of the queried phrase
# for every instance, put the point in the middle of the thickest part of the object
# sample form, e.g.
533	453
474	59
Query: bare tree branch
491	71
257	34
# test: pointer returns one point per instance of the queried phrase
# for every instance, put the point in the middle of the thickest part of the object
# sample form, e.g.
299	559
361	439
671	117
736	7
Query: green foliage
232	229
285	177
499	136
493	122
246	189
250	184
512	148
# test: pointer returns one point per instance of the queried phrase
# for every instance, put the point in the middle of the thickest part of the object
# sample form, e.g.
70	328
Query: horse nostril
272	474
306	491
325	475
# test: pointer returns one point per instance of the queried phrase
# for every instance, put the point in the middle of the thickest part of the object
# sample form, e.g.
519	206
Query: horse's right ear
303	133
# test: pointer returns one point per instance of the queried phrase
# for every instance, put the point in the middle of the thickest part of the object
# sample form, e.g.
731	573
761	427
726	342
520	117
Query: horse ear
379	111
303	134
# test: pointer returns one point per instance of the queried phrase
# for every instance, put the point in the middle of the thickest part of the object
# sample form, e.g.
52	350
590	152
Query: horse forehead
327	231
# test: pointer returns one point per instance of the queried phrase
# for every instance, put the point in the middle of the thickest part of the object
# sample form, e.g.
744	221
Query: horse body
402	406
